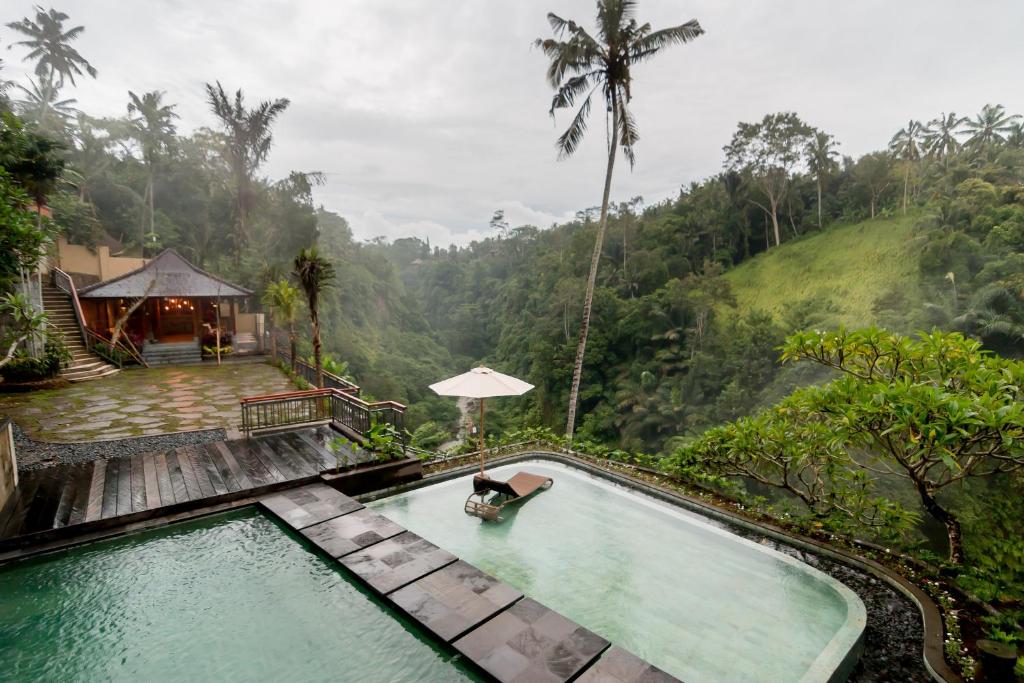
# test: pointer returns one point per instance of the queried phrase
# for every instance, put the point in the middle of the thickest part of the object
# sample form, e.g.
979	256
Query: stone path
142	402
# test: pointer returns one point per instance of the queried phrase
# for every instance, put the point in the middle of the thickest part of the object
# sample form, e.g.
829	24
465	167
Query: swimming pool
227	598
686	595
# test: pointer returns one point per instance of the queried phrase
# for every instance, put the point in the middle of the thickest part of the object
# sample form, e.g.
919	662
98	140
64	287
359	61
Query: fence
274	411
305	369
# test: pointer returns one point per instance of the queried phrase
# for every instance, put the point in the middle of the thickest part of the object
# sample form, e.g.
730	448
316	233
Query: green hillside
845	268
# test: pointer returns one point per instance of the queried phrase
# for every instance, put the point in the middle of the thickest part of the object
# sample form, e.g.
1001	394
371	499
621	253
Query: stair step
95	374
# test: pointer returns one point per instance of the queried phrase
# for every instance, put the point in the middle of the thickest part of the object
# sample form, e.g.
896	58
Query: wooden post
480	436
216	308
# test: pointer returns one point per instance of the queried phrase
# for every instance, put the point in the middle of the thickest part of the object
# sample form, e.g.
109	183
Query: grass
844	269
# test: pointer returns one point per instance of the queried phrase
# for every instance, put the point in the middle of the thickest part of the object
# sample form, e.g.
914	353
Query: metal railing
274	411
95	342
306	369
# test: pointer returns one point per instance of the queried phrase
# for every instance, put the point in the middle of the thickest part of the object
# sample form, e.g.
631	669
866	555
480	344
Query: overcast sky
428	115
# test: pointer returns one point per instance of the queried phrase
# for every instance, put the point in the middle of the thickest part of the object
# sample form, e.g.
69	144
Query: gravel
34	454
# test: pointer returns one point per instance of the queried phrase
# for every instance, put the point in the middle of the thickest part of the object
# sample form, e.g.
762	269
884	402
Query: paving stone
351	532
621	666
391	564
454	599
309	505
529	642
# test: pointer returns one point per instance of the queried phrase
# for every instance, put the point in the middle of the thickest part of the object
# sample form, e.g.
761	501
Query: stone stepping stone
621	666
309	505
391	564
529	642
351	532
454	599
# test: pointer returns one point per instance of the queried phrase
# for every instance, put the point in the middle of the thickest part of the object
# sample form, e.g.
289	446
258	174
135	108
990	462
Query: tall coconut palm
989	127
821	160
152	125
49	45
282	298
248	143
940	138
907	146
580	65
314	274
41	106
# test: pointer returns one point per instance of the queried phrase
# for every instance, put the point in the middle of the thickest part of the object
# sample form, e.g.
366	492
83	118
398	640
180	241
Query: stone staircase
172	353
84	365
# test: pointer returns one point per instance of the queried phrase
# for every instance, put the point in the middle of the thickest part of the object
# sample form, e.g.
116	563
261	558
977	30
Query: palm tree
152	125
247	146
282	298
1015	138
907	145
314	273
821	153
41	106
990	127
582	64
50	45
940	137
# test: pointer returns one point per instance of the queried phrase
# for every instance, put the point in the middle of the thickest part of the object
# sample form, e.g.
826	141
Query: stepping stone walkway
510	637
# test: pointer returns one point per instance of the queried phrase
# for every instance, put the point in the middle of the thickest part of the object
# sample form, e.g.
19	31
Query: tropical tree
247	144
41	106
765	154
22	320
282	298
314	274
940	137
873	174
907	145
580	65
49	44
989	127
152	126
821	160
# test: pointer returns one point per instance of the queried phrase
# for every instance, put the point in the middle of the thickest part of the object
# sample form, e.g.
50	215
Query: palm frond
647	46
573	135
628	132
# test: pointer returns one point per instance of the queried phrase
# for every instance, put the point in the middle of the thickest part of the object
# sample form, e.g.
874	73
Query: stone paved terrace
143	401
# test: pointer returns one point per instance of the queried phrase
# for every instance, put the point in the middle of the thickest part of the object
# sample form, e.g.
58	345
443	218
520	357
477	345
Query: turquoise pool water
228	598
691	598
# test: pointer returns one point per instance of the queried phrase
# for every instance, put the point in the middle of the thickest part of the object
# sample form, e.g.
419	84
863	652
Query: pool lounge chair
495	494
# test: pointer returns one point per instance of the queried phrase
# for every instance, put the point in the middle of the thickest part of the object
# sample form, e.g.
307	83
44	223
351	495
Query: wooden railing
274	411
307	371
95	342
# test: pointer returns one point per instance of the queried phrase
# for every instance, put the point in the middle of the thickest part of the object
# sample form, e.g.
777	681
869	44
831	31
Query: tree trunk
819	202
948	519
577	370
291	338
906	182
152	210
775	222
318	360
872	204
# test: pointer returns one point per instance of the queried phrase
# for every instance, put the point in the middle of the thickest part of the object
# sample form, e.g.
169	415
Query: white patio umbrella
481	383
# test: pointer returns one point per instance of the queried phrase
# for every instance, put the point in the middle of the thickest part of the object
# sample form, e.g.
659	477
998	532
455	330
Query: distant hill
841	273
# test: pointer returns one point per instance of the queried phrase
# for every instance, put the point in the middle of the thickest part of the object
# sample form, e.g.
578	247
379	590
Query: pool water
695	600
227	598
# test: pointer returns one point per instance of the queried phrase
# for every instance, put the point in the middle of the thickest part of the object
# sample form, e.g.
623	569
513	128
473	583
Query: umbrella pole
481	436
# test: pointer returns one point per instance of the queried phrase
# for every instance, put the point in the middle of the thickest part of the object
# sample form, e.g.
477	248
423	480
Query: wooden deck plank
212	472
304	450
17	506
124	486
94	506
199	469
109	504
177	480
163	479
138	484
80	505
236	470
313	440
187	473
222	467
250	464
149	477
268	463
67	497
286	452
271	458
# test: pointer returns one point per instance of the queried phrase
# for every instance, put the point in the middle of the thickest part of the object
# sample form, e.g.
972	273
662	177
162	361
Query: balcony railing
275	411
306	370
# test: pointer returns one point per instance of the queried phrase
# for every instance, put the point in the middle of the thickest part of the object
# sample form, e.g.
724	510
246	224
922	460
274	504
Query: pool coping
933	628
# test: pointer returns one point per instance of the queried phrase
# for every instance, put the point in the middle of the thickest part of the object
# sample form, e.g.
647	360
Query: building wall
97	265
8	463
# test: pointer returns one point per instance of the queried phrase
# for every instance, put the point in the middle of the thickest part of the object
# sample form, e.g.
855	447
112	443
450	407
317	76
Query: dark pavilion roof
170	275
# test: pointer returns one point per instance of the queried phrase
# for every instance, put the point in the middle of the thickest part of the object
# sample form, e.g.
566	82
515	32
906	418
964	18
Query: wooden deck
66	495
